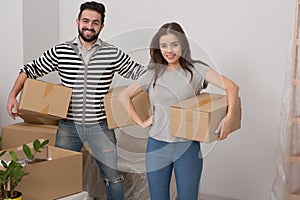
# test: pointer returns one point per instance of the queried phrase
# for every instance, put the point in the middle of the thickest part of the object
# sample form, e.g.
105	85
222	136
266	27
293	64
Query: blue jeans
102	142
186	160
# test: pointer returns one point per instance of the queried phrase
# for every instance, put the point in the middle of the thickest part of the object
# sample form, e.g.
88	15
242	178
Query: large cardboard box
115	113
59	176
197	118
15	135
43	103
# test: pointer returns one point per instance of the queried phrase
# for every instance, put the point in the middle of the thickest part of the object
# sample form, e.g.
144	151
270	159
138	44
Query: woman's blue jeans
102	143
186	160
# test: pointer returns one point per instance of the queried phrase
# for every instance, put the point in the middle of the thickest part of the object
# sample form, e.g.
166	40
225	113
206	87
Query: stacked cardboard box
41	105
60	175
15	135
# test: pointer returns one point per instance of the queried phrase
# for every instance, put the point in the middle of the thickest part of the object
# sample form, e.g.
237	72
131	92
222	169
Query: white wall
29	27
40	30
11	39
41	19
248	41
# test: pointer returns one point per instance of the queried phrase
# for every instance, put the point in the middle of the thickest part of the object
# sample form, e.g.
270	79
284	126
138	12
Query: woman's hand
147	123
225	127
232	91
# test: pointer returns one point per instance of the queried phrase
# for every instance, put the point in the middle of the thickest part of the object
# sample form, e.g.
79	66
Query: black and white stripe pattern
89	83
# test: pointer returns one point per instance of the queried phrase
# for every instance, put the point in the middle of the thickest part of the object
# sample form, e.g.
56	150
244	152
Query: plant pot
17	196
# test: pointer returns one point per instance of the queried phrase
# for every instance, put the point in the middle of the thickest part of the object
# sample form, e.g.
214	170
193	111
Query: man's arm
127	67
12	104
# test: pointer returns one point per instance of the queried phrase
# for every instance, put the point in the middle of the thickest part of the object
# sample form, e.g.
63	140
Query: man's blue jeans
102	143
186	160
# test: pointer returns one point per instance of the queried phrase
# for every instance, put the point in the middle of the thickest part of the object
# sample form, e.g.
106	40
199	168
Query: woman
174	76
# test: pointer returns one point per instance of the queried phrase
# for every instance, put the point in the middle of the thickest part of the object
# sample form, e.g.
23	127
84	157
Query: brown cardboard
61	176
15	135
197	118
116	114
43	103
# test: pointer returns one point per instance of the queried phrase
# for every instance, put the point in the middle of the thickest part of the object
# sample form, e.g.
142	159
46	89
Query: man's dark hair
92	5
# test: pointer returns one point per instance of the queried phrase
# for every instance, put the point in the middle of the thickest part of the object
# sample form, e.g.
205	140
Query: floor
204	197
212	197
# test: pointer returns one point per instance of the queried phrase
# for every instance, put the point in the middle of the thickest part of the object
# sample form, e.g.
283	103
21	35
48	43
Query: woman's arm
125	99
232	91
12	104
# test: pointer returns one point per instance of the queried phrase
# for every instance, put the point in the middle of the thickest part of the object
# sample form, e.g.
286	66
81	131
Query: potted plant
12	171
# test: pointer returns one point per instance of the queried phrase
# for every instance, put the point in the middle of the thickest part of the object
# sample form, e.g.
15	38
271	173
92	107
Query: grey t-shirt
172	87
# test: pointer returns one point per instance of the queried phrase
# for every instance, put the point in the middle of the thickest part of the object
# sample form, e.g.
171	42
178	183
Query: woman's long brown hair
157	62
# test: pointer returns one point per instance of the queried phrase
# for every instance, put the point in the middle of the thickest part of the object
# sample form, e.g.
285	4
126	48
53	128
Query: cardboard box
115	113
198	117
61	176
15	135
43	103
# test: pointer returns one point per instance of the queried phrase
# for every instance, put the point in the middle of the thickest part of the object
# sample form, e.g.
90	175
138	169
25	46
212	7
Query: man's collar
76	41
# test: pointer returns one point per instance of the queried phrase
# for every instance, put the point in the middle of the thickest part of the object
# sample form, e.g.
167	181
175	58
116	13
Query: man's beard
88	39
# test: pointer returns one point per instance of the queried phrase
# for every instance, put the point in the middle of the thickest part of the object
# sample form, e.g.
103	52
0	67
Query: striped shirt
91	81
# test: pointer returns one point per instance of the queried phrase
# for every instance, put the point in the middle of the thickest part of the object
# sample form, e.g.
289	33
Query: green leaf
9	169
2	153
36	145
4	164
14	156
45	143
27	151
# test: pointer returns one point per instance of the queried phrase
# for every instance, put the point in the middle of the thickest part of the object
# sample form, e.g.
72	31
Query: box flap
213	104
204	102
30	126
38	127
38	118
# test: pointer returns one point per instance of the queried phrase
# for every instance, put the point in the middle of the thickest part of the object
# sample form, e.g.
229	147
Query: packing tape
48	89
189	117
45	110
209	100
200	103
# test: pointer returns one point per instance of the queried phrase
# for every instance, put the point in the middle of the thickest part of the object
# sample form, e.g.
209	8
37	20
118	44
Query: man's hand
12	104
12	107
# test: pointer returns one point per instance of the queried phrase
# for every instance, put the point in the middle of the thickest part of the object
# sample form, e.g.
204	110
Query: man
87	65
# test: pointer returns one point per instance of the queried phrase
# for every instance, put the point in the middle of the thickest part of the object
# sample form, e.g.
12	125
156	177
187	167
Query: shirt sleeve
145	81
41	66
128	68
201	69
